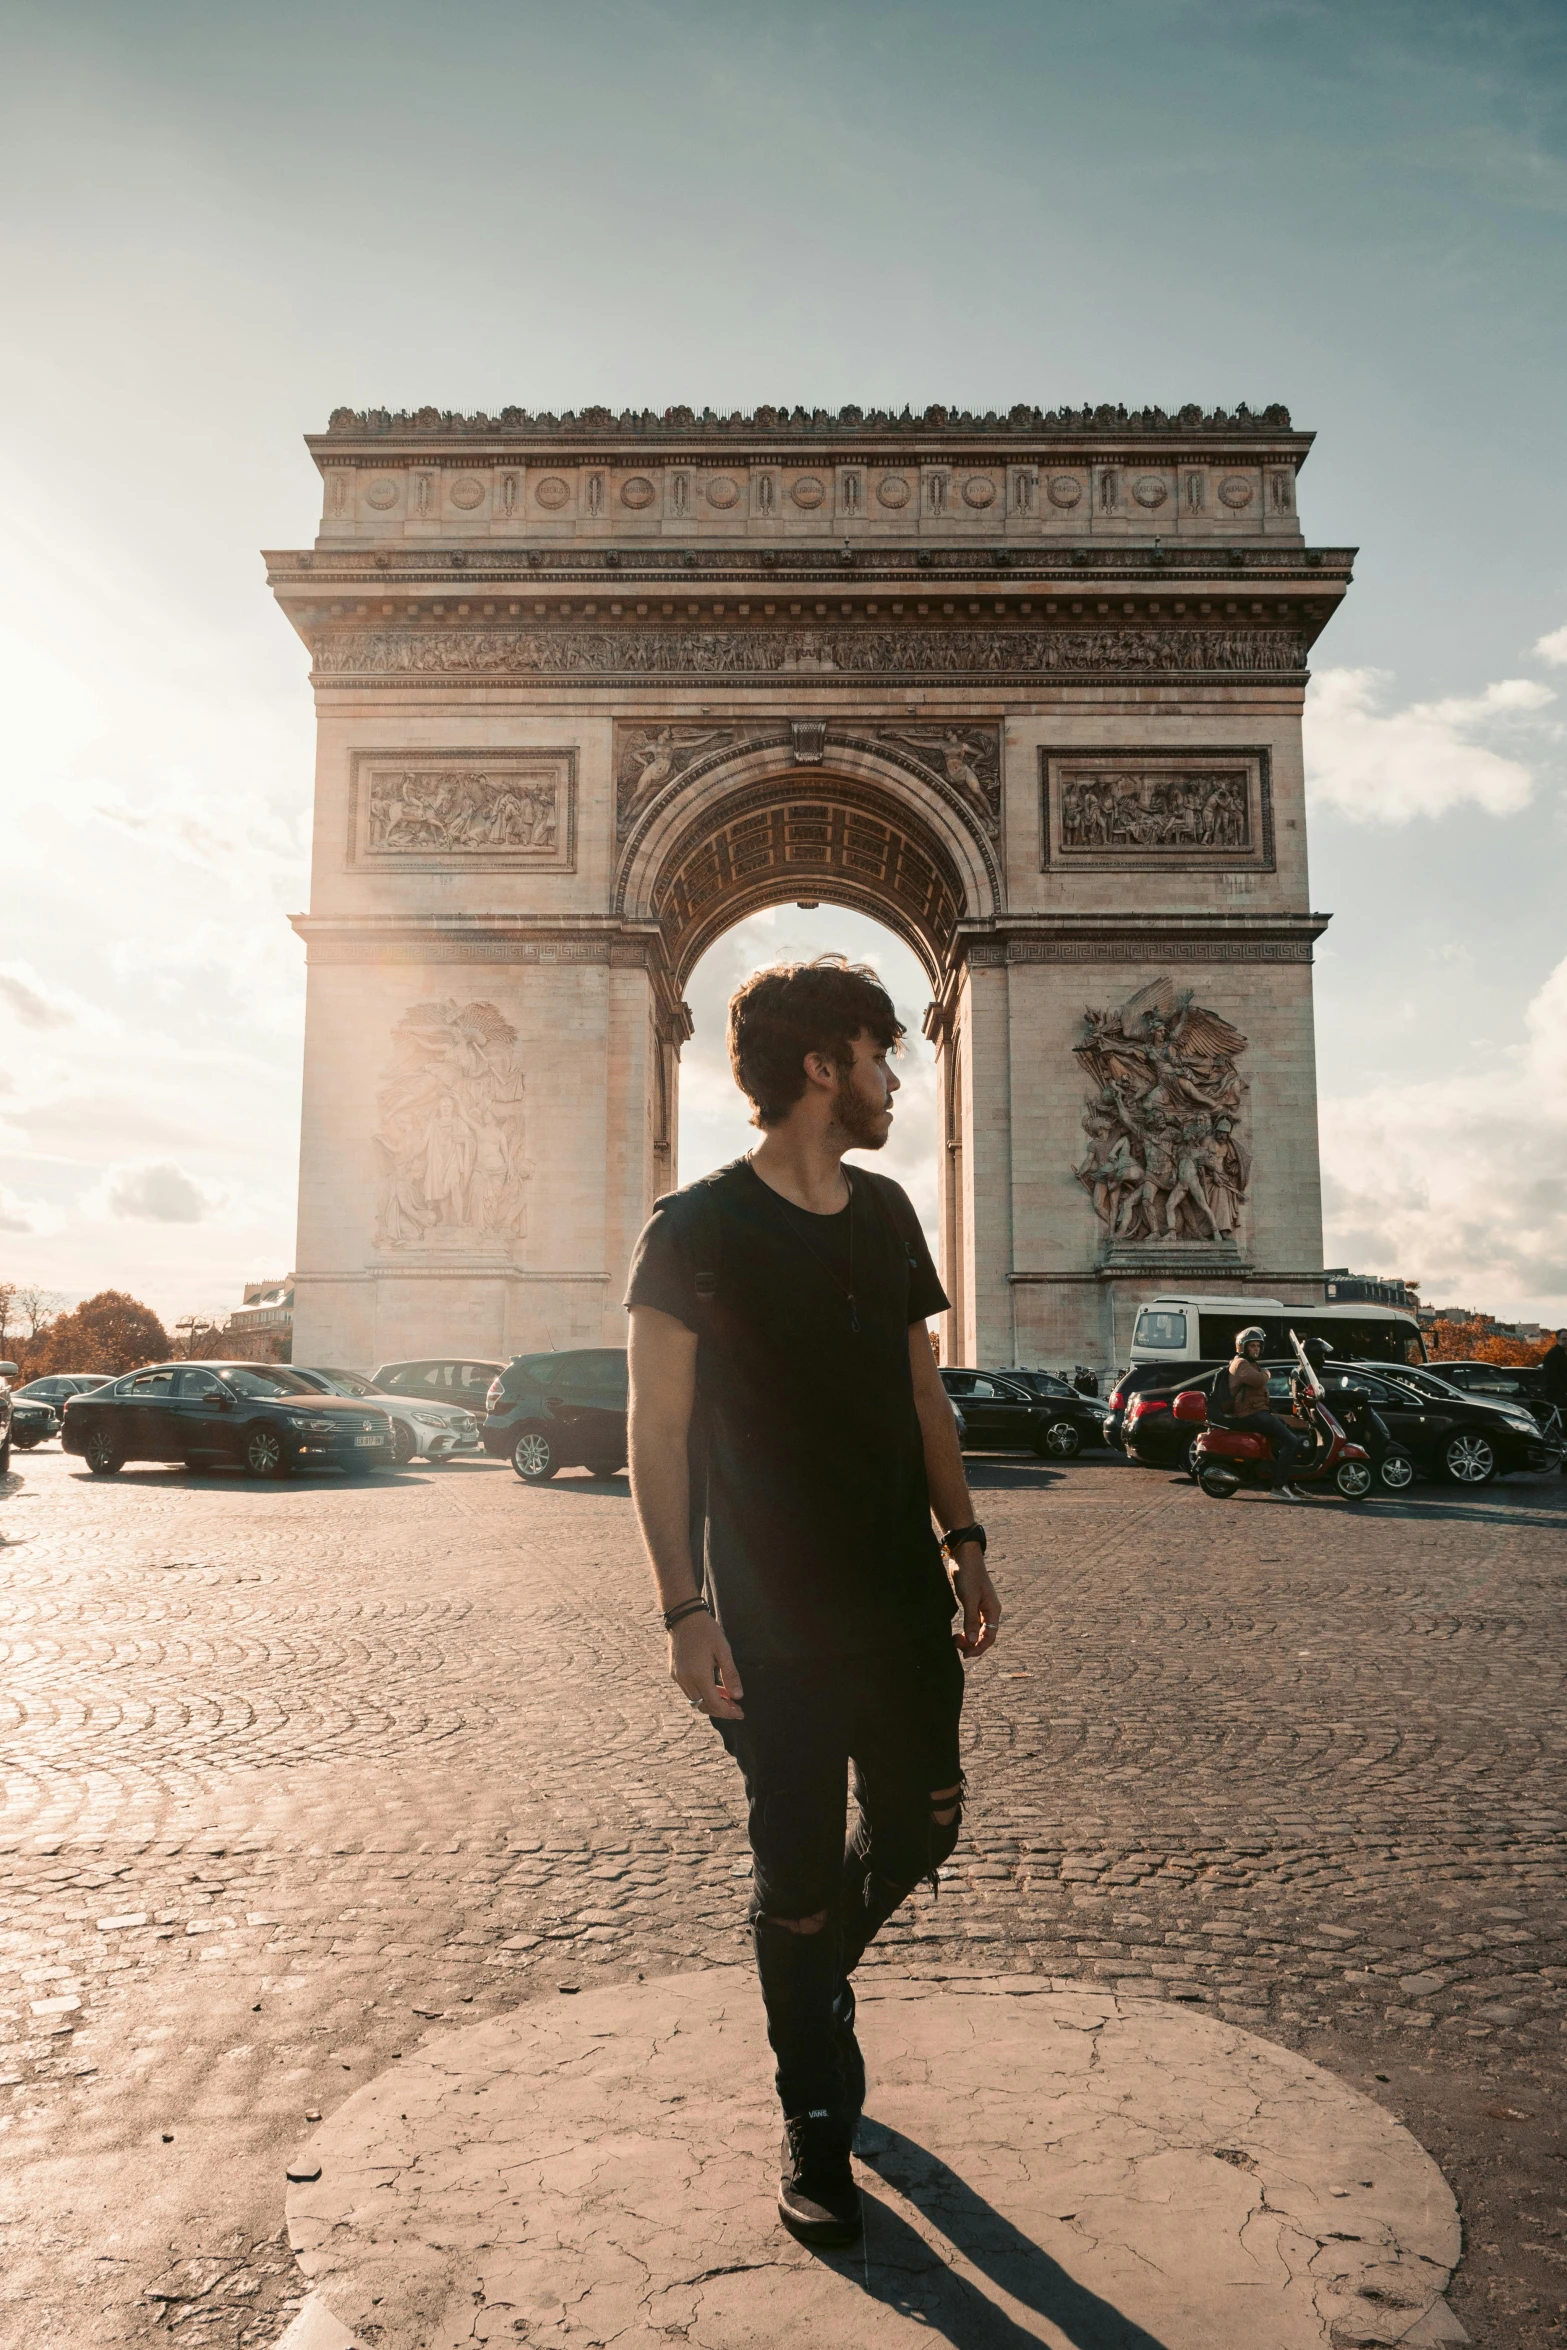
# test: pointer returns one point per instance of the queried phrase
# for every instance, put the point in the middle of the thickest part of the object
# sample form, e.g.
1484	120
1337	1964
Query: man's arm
950	1497
663	1393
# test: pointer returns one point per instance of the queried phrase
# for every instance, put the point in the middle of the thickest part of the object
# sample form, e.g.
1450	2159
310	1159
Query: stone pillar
985	1046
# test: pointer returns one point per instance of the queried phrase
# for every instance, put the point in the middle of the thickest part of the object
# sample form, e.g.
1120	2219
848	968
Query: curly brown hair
792	1009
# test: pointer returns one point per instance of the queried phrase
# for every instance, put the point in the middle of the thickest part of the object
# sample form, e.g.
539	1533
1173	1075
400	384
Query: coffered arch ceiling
765	830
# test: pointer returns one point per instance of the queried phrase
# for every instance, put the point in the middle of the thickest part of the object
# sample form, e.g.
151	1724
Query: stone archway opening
713	1116
817	838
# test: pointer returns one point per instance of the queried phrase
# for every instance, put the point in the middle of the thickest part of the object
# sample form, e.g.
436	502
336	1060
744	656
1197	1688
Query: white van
1193	1329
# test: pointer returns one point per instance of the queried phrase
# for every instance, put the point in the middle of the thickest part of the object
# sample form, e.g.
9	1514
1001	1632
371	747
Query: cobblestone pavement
295	1771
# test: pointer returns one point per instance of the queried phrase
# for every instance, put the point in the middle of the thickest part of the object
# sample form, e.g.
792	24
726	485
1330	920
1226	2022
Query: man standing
790	1438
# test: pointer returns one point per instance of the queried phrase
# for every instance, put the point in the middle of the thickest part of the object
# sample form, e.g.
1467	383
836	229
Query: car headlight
317	1427
432	1419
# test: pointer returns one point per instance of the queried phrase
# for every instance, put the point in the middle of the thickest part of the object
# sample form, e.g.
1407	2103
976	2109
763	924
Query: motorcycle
1228	1458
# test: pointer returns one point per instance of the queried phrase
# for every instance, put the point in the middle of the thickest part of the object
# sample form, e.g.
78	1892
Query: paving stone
356	1723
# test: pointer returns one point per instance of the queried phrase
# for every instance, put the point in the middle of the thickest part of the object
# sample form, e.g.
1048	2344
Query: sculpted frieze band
800	652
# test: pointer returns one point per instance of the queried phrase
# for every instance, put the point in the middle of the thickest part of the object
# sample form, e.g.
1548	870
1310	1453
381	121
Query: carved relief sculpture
410	812
853	654
648	757
449	1145
1165	1160
1157	811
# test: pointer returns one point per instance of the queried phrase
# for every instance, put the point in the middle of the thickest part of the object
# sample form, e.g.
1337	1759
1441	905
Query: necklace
831	1272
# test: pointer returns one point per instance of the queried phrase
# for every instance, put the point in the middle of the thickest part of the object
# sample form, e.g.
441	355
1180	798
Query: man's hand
702	1667
976	1595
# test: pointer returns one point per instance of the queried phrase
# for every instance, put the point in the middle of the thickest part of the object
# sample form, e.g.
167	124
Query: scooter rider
1249	1410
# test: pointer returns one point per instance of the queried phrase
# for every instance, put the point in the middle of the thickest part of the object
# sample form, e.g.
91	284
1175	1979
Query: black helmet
1318	1354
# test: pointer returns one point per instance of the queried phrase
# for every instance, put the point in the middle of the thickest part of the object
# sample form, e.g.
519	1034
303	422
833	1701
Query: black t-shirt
818	1532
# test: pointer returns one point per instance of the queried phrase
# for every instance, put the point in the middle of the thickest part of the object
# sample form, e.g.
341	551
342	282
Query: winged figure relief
1165	1159
650	756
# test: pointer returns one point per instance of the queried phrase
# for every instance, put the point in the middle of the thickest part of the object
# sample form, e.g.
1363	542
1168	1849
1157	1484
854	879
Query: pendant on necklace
854	1316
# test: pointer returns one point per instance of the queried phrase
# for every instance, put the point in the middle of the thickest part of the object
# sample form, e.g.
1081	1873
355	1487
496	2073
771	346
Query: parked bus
1190	1329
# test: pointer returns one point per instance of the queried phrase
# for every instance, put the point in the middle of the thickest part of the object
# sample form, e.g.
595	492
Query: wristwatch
952	1541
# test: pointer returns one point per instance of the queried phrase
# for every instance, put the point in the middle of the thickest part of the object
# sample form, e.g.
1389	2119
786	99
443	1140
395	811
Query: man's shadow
899	2268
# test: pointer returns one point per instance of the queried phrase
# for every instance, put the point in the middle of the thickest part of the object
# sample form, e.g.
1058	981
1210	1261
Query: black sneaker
818	2200
850	2062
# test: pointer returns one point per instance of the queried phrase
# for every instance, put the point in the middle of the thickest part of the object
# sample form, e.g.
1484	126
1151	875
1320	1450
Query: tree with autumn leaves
1474	1341
110	1332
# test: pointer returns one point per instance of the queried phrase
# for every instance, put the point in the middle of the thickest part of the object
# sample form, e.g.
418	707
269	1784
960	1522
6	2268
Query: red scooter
1228	1458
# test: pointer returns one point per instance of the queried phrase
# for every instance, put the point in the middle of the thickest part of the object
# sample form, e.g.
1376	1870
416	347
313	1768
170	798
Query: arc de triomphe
591	688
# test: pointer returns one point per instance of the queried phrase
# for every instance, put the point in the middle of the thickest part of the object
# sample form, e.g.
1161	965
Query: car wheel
1059	1442
403	1445
102	1458
27	1442
1353	1479
605	1468
263	1455
1469	1458
1395	1472
533	1456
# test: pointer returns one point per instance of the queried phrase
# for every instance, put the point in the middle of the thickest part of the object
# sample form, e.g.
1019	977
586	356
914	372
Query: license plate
367	1440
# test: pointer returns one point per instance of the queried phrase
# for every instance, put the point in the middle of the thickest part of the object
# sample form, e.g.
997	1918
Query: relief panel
424	811
1207	810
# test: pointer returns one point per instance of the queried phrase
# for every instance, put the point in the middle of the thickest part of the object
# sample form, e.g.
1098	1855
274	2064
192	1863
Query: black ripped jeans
890	1719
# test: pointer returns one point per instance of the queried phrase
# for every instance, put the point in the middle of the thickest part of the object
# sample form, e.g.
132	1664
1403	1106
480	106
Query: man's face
862	1108
1252	1350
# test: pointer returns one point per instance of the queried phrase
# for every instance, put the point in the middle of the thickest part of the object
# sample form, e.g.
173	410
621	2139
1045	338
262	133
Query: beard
865	1125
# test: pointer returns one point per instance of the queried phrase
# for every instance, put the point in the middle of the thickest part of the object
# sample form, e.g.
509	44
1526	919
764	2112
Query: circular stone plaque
381	494
1037	2167
1149	490
1065	490
1236	490
637	493
807	491
722	491
892	490
979	490
468	492
552	493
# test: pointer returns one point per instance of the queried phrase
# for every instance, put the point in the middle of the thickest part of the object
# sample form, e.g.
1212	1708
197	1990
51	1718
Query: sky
217	223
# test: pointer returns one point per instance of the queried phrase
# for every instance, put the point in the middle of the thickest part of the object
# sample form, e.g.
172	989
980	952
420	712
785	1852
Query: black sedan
1468	1439
256	1415
32	1421
1012	1411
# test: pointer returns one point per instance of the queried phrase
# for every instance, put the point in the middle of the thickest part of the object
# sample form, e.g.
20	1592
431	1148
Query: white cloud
1460	1181
159	1194
14	1216
32	1001
1554	647
1382	766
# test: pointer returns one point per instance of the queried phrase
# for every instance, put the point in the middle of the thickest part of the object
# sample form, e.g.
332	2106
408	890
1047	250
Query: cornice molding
677	427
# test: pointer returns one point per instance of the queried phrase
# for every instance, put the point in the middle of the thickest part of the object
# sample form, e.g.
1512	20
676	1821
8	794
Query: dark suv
560	1411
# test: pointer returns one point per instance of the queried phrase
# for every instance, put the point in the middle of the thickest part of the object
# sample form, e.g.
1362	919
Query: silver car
436	1430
